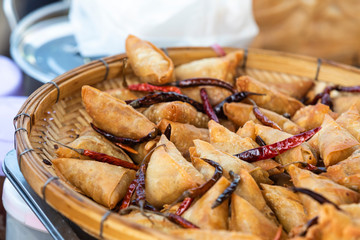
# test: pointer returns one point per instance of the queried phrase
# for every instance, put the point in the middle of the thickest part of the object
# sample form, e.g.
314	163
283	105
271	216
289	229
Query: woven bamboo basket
55	110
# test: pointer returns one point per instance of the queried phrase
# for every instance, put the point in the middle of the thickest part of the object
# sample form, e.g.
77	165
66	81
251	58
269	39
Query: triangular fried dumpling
250	191
113	115
105	183
206	234
346	172
182	135
335	142
148	62
350	120
201	214
273	100
301	153
227	161
91	140
227	141
286	205
177	112
246	218
168	175
312	116
343	103
334	225
248	130
322	185
240	113
143	149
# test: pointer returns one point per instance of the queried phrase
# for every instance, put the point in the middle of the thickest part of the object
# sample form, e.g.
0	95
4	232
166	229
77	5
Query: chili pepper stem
78	150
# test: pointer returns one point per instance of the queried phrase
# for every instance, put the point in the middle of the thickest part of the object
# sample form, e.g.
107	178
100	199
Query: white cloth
101	26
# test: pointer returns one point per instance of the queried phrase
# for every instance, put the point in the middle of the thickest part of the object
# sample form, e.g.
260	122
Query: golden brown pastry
286	205
240	113
105	183
205	234
246	218
273	100
312	116
182	135
201	214
113	115
227	161
149	62
143	149
343	103
350	120
227	141
176	112
346	172
248	130
322	185
302	153
93	141
335	143
169	174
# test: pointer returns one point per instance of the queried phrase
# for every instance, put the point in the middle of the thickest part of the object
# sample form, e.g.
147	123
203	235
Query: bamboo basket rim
99	221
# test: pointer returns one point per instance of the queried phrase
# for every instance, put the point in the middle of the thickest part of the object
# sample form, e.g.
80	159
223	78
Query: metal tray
57	225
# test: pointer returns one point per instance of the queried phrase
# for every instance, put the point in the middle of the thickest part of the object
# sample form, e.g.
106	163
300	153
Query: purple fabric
9	107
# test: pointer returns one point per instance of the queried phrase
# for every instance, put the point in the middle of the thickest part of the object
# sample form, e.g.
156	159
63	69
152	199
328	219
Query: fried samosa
205	234
169	174
149	62
350	120
182	135
227	161
105	183
201	214
273	100
343	103
113	115
91	140
286	205
227	141
346	172
248	130
322	185
312	116
247	219
335	143
176	112
302	153
240	113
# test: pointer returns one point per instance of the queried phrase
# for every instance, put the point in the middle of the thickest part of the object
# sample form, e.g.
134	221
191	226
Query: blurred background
44	44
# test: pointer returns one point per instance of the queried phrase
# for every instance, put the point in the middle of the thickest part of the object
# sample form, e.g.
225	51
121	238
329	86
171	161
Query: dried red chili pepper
262	118
159	97
278	233
179	220
260	141
218	50
167	131
146	87
348	89
207	106
309	224
140	176
100	157
129	193
236	97
185	204
127	141
319	96
270	151
228	191
316	196
202	189
308	166
194	82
